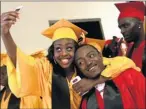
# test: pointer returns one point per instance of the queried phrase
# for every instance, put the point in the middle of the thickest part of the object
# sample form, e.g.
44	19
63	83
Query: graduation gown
35	77
130	93
10	103
136	54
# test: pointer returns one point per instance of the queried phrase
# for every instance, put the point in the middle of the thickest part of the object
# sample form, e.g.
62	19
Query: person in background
131	22
129	92
7	99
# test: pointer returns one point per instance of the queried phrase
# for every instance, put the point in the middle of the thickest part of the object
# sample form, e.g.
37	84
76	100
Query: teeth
91	68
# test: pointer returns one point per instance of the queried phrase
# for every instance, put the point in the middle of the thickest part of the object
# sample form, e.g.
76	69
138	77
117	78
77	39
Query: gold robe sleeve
116	65
23	80
31	79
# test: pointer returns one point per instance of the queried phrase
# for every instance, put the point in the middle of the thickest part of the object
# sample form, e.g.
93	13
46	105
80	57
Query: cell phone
77	79
18	8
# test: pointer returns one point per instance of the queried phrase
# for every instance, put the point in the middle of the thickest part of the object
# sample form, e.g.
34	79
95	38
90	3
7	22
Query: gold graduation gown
32	102
4	103
34	77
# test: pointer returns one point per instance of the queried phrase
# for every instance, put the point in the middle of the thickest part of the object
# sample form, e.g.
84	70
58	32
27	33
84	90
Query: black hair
56	67
137	21
87	45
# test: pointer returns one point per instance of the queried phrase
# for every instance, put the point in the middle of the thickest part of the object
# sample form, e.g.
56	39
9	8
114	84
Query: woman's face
64	50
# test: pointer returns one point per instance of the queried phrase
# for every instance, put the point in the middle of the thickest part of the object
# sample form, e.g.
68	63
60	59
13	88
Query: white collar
100	87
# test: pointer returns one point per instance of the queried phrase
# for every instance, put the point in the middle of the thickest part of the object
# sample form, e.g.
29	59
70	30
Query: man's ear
100	55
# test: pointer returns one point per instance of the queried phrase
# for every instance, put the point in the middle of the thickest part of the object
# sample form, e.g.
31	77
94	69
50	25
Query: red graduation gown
131	85
137	54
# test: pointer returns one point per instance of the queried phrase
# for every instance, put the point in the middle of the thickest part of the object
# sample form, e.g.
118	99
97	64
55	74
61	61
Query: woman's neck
69	72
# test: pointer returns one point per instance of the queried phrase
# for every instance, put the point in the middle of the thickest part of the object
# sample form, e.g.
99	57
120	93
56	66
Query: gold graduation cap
39	54
63	29
97	43
3	59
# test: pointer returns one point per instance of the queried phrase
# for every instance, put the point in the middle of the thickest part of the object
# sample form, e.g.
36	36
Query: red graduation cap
131	9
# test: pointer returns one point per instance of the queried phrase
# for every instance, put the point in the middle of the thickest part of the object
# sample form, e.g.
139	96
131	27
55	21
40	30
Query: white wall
35	15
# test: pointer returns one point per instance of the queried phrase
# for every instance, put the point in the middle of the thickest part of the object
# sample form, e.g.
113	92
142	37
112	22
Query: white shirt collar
100	87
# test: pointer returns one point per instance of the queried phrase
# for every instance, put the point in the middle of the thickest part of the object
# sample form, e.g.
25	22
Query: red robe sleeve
131	85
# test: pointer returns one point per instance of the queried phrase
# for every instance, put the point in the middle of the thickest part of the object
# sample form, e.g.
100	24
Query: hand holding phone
18	8
76	80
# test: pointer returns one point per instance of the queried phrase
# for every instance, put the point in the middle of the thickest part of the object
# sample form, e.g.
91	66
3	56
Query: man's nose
122	31
88	61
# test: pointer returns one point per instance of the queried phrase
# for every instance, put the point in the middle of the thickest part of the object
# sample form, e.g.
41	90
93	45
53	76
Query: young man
129	92
131	23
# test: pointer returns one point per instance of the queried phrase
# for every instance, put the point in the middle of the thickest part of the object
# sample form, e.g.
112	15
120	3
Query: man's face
89	61
3	76
64	50
130	29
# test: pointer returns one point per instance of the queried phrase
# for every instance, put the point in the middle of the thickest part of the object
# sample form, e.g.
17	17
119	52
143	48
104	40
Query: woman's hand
85	84
7	20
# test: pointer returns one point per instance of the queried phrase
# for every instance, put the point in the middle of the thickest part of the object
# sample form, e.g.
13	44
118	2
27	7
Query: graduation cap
39	54
96	43
3	59
63	29
131	9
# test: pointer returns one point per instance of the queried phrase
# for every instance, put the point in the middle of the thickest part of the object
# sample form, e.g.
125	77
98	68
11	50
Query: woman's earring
54	61
139	27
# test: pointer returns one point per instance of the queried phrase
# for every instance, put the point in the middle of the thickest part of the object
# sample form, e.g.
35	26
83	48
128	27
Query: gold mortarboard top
63	29
97	43
39	54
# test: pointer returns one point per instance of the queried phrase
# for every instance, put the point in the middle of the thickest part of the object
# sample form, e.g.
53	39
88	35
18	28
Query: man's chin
66	66
95	76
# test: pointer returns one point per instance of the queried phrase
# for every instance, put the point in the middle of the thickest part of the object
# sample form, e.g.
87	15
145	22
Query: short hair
88	45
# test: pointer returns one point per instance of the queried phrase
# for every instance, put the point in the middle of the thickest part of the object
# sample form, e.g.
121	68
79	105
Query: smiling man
130	90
